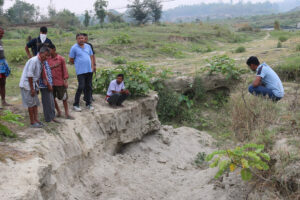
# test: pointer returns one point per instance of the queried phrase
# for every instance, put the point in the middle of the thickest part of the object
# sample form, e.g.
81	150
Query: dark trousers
261	90
91	92
117	99
48	104
84	85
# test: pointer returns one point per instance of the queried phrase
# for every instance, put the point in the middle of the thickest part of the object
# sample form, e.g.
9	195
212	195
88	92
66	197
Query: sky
79	6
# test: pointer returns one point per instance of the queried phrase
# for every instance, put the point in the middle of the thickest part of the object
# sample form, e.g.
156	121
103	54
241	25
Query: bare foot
6	104
70	117
55	120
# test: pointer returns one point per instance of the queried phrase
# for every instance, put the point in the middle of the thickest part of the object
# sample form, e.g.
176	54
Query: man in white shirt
116	93
29	85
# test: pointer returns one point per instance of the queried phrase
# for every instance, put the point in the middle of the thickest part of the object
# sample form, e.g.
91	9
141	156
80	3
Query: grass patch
289	70
240	49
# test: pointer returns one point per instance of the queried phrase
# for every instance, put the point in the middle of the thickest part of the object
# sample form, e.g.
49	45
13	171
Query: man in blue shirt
266	82
81	55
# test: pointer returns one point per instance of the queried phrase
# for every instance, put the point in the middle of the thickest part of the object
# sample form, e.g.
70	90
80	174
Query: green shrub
123	38
171	50
16	55
198	88
174	107
119	60
224	65
279	44
283	38
298	47
289	69
249	157
198	49
10	117
240	50
137	78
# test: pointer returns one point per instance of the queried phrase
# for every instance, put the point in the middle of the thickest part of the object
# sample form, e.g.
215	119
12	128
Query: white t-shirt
114	86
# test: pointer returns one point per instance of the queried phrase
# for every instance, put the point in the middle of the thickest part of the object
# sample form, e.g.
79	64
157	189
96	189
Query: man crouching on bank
116	93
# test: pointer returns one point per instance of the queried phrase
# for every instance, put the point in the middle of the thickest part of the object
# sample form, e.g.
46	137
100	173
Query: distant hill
218	11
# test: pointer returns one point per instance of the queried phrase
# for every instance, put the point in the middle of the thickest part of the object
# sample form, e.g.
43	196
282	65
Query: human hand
50	88
66	85
32	92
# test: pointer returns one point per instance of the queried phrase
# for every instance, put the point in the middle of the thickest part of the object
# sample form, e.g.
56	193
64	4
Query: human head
253	63
43	30
44	53
86	37
52	49
120	78
80	39
1	33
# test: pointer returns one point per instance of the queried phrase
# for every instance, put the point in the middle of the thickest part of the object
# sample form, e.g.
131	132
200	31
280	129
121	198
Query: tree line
138	11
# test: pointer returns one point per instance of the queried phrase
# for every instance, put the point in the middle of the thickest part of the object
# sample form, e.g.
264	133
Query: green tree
115	18
65	19
100	9
87	18
139	11
1	6
22	13
155	8
276	25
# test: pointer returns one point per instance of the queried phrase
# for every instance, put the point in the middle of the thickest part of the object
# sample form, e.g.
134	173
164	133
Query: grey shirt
1	50
33	68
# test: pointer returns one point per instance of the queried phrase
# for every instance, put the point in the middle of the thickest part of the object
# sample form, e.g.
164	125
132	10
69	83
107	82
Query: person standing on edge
60	80
81	55
46	87
29	85
4	71
93	64
116	93
266	82
36	43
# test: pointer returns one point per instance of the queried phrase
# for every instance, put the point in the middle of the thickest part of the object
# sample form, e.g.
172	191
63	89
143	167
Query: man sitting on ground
60	80
29	85
116	93
266	82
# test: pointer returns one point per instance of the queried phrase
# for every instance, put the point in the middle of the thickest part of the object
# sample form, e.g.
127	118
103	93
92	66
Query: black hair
84	34
51	46
253	60
121	75
43	29
79	34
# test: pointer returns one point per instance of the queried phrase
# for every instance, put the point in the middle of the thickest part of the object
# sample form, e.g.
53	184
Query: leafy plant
10	117
123	38
224	65
298	47
119	60
200	159
240	50
279	44
249	157
137	78
283	38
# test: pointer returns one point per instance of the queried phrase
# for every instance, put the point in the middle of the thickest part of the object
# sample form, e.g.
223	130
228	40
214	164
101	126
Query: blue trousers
261	90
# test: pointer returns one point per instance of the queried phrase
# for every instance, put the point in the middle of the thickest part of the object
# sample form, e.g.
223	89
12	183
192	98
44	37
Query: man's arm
257	81
93	63
32	91
65	73
28	52
71	60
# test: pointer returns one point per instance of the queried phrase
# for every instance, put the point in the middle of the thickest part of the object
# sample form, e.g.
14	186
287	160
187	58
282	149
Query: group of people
46	72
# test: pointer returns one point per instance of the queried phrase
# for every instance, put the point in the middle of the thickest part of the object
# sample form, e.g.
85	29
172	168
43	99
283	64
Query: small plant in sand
249	157
10	117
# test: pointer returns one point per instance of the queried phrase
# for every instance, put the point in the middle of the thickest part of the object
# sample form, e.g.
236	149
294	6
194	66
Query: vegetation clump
249	157
123	38
223	65
240	50
119	60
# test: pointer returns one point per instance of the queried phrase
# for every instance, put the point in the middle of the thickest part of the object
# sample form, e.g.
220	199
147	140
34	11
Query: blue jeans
261	90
